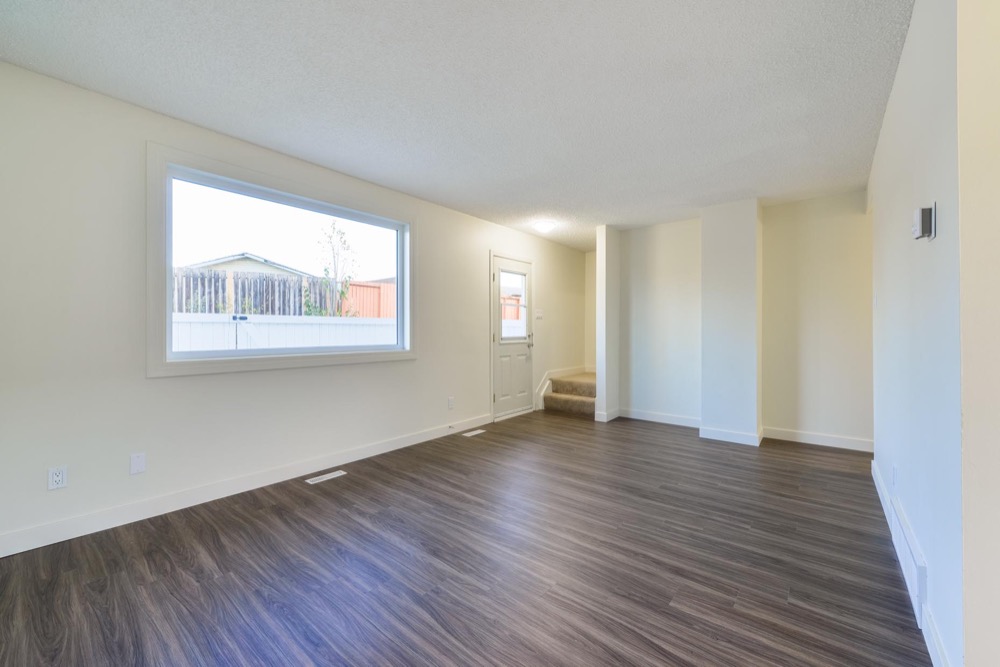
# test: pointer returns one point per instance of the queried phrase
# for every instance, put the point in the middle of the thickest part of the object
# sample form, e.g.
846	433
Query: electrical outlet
451	402
137	464
57	477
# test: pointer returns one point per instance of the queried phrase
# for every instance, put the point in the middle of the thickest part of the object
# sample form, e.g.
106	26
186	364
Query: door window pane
513	306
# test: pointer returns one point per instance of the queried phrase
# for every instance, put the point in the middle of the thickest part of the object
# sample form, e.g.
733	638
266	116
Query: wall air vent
323	478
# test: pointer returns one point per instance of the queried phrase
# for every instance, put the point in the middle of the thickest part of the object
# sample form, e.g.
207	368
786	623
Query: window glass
253	272
513	306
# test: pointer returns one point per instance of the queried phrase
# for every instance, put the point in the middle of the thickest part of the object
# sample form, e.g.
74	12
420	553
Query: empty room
499	333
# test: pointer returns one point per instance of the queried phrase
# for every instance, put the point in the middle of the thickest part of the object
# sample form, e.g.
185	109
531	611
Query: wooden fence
370	300
510	308
251	293
200	291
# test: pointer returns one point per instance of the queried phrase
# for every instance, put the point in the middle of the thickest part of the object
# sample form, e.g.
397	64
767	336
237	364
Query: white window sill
163	368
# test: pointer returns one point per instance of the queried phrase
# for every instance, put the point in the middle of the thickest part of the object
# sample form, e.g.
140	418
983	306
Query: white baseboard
752	439
511	415
610	415
590	369
883	492
660	417
909	555
911	559
66	529
824	439
543	386
914	568
932	637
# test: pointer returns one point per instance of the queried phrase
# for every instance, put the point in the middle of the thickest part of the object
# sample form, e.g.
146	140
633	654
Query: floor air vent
476	432
323	478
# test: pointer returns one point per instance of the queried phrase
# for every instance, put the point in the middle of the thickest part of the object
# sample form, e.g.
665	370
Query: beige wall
590	313
916	347
818	322
816	331
661	323
731	349
979	185
73	389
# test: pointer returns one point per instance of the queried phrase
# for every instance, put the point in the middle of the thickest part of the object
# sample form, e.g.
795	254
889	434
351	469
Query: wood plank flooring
547	540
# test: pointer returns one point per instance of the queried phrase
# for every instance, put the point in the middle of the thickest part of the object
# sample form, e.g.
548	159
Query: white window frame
163	165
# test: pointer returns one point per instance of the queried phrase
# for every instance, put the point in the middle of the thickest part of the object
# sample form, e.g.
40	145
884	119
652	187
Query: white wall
73	389
590	313
731	322
608	314
661	323
917	361
818	322
979	174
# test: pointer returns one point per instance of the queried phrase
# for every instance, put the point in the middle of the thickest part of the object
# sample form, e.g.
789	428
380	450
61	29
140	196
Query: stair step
570	403
583	384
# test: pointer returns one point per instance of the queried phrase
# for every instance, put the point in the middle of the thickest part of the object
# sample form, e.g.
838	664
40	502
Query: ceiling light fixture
544	226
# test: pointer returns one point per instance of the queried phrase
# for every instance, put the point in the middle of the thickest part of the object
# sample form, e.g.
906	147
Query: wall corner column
608	311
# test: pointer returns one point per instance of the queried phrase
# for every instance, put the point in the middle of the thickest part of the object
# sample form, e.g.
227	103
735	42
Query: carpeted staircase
575	394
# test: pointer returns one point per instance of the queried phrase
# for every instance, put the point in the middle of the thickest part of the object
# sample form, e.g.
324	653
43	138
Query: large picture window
255	272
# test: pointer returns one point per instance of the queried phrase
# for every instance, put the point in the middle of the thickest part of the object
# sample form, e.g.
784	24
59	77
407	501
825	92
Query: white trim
163	162
932	637
511	415
736	437
912	564
824	439
246	364
661	417
608	416
65	529
543	386
899	524
883	492
911	559
540	393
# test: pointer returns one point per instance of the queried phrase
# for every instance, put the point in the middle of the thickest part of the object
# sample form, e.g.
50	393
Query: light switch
925	223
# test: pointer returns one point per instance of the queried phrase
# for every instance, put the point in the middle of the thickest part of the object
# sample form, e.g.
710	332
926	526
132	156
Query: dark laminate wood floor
548	540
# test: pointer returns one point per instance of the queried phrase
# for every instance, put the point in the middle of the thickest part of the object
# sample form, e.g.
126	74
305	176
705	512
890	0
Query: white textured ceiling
586	111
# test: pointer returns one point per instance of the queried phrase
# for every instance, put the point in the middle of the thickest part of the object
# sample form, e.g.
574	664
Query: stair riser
554	402
573	387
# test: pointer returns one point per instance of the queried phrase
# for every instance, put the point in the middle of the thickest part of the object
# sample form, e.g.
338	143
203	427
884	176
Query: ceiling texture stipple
587	112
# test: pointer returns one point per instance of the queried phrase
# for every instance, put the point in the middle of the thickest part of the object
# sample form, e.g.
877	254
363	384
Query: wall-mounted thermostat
925	223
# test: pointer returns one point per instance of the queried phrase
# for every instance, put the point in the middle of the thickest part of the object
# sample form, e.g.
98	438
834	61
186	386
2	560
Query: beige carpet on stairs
573	394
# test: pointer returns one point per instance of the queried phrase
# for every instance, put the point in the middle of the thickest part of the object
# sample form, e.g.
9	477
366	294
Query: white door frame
494	302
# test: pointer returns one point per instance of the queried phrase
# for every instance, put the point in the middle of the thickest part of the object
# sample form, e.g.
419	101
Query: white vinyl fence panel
209	331
513	329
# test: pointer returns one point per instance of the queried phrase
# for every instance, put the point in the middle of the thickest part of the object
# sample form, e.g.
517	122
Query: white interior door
512	337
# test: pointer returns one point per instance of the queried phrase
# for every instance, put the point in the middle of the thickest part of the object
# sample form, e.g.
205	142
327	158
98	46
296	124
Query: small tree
339	264
308	307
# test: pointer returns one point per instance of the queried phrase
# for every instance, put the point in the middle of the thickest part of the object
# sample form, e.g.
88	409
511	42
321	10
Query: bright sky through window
209	223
